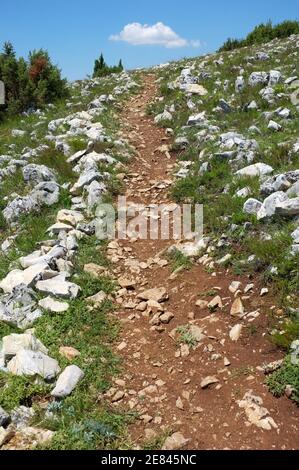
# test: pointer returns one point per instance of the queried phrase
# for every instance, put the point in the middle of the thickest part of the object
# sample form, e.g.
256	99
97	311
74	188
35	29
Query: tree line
101	69
263	33
34	82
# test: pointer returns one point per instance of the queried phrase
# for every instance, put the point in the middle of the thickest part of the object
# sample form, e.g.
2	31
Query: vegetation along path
191	369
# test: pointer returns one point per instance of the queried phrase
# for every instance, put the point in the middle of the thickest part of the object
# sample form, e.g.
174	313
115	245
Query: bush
262	34
29	84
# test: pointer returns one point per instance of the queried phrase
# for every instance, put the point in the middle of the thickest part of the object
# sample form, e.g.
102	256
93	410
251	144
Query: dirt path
161	378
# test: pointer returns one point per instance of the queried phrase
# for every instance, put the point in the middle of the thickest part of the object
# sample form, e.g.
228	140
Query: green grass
179	260
157	442
186	337
288	333
57	162
288	374
16	391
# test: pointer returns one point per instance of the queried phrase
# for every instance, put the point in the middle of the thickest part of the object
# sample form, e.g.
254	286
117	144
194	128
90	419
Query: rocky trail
208	336
194	343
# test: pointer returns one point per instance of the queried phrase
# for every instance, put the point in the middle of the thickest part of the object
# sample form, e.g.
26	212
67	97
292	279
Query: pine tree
8	49
101	69
102	63
99	66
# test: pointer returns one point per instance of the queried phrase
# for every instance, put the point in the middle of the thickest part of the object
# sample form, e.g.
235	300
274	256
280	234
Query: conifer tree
29	83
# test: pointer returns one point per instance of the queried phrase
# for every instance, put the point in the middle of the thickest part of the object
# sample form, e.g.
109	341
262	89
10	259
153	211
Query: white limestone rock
67	381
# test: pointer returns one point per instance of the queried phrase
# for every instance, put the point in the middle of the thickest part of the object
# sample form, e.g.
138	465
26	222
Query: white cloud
137	34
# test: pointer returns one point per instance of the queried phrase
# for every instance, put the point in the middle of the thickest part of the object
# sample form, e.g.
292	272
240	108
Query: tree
29	83
101	69
8	49
102	63
263	33
99	66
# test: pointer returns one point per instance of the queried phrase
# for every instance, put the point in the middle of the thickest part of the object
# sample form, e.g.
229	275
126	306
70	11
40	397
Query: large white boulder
32	363
270	203
13	343
257	169
27	277
58	287
289	207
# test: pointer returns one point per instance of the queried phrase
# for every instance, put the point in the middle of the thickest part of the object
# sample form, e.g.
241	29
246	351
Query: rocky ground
190	321
193	343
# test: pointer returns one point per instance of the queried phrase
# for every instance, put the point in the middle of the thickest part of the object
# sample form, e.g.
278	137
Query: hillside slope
161	344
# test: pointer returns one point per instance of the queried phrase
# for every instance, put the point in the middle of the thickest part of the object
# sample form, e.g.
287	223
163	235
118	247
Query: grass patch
57	162
288	374
288	333
186	336
179	260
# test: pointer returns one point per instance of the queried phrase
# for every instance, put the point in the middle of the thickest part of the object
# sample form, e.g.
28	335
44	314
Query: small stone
119	395
146	419
237	308
122	346
248	288
160	383
37	436
235	332
175	442
26	277
235	285
195	89
97	298
68	352
141	307
289	390
158	294
179	404
166	317
59	227
202	304
53	305
22	416
126	283
224	260
216	302
154	306
274	126
264	292
69	217
210	380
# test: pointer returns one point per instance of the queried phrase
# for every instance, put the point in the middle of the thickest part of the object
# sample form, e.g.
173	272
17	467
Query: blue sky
76	31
